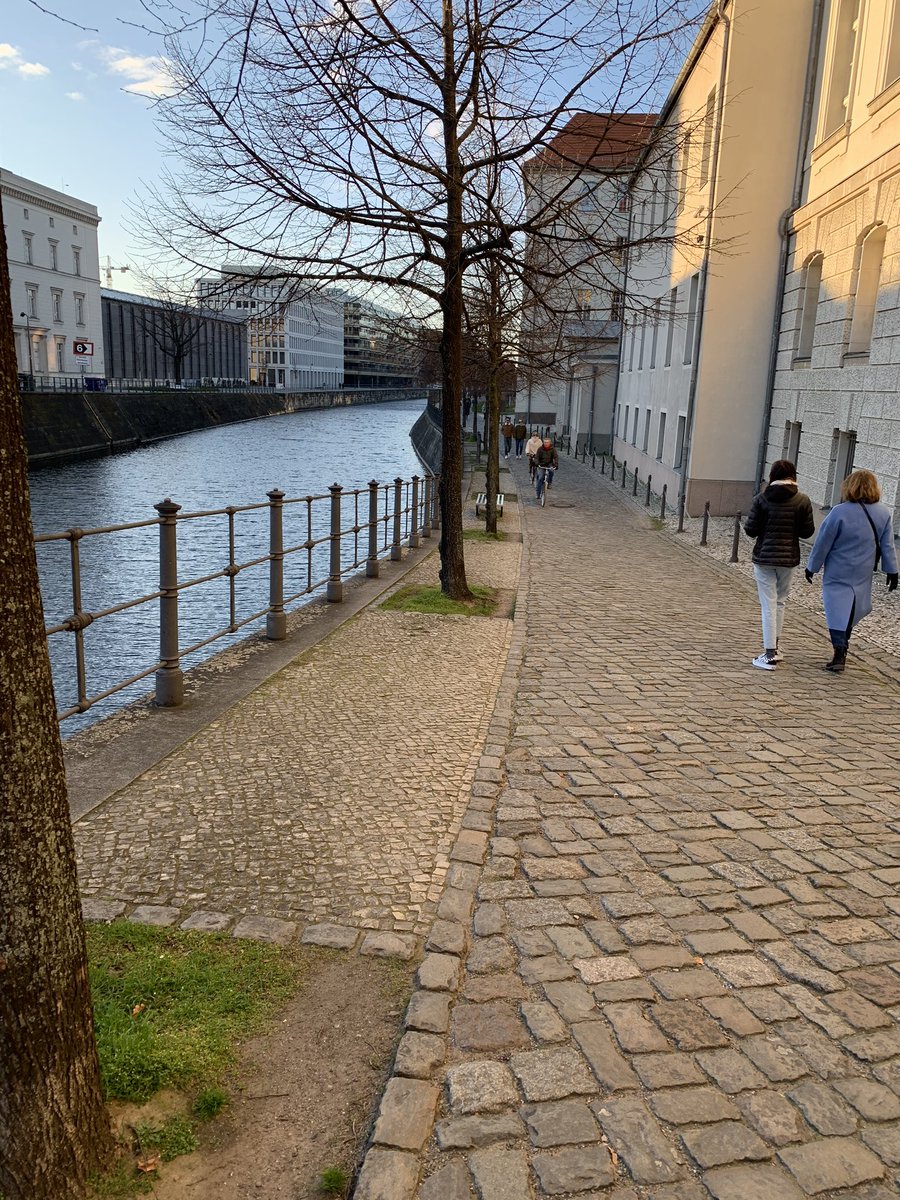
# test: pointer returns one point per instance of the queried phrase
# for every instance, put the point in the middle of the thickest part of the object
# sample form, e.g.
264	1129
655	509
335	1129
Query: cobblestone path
673	969
329	797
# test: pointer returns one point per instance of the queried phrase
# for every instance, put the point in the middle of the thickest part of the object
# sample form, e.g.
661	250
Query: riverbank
62	427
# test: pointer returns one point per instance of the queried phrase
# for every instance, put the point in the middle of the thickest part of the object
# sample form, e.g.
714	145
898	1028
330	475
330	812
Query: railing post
372	558
593	461
635	488
649	481
705	524
662	502
602	464
334	590
736	541
681	514
396	551
426	508
169	677
435	502
414	514
276	621
624	473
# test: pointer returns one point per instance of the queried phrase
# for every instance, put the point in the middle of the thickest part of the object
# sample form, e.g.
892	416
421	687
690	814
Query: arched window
812	282
867	282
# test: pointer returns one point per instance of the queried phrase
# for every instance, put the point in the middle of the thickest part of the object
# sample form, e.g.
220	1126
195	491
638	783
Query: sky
78	106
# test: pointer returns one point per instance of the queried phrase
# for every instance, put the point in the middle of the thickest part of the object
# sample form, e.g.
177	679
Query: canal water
300	453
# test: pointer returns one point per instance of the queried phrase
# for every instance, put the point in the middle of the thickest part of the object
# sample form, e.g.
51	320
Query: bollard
634	489
396	551
426	509
593	461
624	473
737	538
649	480
334	589
705	524
276	621
372	557
602	464
681	514
662	502
169	677
414	514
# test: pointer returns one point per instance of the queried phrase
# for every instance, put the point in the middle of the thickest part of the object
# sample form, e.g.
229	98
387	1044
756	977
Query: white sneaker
778	656
764	664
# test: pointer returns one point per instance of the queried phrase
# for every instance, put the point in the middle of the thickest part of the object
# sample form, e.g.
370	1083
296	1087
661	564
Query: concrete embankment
63	426
426	437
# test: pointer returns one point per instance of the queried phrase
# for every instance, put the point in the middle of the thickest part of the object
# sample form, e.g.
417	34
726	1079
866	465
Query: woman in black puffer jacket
779	517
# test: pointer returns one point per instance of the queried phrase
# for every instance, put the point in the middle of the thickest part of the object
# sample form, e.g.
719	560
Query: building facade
380	349
707	252
836	394
295	342
157	339
54	268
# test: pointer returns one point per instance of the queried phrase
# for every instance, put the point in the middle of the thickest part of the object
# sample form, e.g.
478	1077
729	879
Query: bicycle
544	483
532	468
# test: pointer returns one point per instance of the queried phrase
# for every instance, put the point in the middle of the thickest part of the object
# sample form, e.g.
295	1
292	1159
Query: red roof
601	140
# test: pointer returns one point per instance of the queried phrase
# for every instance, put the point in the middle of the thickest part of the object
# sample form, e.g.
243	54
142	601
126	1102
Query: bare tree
347	141
54	1129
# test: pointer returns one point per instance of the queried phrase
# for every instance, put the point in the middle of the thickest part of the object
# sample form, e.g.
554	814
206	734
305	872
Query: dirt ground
304	1093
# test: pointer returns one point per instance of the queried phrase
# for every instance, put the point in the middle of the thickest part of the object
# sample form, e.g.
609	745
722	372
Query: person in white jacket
531	448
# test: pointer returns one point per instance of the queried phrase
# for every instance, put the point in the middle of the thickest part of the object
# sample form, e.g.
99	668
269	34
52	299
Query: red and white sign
83	349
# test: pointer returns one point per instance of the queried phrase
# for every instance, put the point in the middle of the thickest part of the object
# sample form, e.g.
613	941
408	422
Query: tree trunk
492	415
54	1129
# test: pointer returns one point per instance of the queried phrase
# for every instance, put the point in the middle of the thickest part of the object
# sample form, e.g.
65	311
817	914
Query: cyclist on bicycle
546	460
531	448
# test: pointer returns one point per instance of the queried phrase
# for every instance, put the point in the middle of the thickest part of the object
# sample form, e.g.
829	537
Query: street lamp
30	353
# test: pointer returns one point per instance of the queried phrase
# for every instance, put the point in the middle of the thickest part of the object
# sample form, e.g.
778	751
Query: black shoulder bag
875	533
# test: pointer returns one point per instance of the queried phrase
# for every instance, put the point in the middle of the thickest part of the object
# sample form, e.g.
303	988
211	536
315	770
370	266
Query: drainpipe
591	416
704	268
812	70
626	260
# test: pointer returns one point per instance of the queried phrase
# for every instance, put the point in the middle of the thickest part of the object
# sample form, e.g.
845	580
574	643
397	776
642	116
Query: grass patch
170	1140
209	1103
481	535
432	600
333	1181
170	1006
120	1184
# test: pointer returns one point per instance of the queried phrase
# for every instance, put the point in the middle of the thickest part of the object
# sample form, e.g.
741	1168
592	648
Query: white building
294	342
54	270
836	399
695	364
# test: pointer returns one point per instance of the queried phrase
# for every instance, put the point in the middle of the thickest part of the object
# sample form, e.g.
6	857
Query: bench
481	502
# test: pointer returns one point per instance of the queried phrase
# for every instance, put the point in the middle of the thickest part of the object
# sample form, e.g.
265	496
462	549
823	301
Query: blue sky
78	105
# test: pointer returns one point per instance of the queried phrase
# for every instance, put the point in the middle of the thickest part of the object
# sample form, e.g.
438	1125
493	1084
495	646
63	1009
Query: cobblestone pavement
327	801
666	964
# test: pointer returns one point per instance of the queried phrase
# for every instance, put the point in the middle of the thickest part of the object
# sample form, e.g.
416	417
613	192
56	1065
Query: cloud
148	75
74	95
11	59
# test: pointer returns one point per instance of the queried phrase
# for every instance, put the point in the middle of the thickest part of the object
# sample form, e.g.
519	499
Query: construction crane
109	270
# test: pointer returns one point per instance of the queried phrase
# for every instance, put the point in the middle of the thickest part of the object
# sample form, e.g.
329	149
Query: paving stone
480	1087
825	1111
530	914
531	943
447	937
494	1025
419	1054
406	1115
553	1074
382	944
881	985
387	1175
560	1123
428	1012
821	1054
687	1025
467	1133
638	1140
655	958
816	1010
489	919
693	1106
609	1066
261	929
547	969
575	1170
690	984
490	954
457	904
744	970
667	1070
733	1072
716	942
773	1058
732	1015
500	1174
754	927
795	965
574	1001
95	909
216	922
163	915
438	973
450	1182
634	1033
873	1101
570	942
543	1021
609	967
772	1116
480	988
885	1141
618	991
874	1046
722	1143
860	1012
831	1163
762	1181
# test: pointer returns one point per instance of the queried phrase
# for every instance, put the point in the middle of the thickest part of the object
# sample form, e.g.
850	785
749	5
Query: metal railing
333	545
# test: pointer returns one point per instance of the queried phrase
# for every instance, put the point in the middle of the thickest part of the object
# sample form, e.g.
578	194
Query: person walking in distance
779	516
520	432
853	539
508	430
531	448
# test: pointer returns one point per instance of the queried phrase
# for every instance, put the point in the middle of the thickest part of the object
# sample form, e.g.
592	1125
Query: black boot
839	662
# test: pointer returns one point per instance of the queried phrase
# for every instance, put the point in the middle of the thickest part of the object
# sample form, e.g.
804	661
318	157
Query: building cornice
36	200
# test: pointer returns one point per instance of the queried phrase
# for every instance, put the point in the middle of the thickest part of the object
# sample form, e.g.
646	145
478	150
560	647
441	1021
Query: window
29	248
583	297
654	342
892	65
678	461
791	446
26	214
634	427
52	223
632	338
79	309
54	261
625	430
75	231
709	121
836	107
866	300
684	172
616	304
56	305
646	441
843	451
31	295
661	436
812	282
76	260
60	354
670	330
691	326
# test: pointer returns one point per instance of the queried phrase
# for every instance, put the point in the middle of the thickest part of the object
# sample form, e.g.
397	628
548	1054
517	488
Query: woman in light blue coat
851	541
